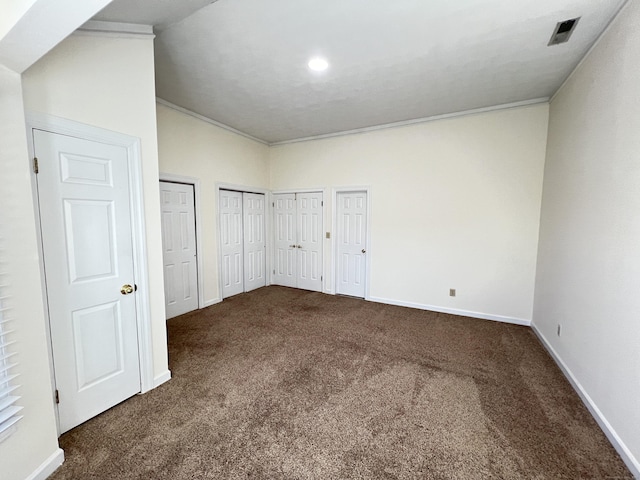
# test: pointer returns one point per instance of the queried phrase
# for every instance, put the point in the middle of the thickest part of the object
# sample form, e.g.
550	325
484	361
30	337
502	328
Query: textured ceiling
244	62
159	13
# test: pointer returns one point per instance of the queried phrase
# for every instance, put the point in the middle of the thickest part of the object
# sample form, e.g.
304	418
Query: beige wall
589	256
455	204
109	83
35	439
188	146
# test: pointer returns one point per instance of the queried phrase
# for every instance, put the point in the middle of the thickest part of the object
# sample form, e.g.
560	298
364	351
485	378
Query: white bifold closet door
298	240
253	207
243	242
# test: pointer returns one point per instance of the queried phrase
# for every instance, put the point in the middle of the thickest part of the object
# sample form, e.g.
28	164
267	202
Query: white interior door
285	242
232	242
254	241
309	222
179	248
351	240
84	200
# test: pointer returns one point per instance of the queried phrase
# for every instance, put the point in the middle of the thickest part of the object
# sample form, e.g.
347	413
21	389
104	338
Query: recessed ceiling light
318	64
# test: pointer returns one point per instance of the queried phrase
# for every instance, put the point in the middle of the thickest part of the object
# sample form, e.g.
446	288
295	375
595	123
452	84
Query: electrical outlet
559	329
452	292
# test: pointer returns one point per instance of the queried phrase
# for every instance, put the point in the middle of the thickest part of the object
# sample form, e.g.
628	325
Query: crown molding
191	113
416	121
116	29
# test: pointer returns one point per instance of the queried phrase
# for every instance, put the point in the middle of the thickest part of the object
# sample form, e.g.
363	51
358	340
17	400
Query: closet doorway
298	240
242	241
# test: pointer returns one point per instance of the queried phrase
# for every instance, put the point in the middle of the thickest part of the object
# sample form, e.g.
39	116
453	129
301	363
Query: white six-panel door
351	241
309	223
84	202
254	241
285	242
298	240
179	248
232	242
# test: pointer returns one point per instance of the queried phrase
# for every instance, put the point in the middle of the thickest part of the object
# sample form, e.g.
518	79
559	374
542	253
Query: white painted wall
31	28
35	440
189	146
589	254
12	11
455	204
109	82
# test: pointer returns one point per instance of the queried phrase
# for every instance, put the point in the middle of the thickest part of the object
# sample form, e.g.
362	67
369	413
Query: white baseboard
49	466
208	303
162	378
629	459
452	311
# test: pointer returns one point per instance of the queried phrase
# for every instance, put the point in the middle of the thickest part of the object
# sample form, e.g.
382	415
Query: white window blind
9	410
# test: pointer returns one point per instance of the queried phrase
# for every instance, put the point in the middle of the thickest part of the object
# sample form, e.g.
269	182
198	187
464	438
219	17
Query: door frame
334	228
267	229
325	257
63	126
195	183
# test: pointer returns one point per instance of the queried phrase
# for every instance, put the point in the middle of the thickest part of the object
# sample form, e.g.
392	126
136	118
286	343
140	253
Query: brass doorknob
364	251
126	289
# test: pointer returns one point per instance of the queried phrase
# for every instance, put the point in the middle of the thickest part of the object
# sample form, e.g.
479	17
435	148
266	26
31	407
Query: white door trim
267	229
195	182
334	257
62	126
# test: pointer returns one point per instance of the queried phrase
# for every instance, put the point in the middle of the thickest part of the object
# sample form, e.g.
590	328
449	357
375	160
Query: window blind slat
9	423
7	413
6	380
7	390
8	401
6	367
4	426
6	356
9	410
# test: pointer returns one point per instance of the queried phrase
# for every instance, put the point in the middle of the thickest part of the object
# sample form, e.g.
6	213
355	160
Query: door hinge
322	203
57	397
320	277
274	272
36	169
273	204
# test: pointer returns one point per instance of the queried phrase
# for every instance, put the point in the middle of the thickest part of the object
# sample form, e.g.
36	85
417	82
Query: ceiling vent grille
563	31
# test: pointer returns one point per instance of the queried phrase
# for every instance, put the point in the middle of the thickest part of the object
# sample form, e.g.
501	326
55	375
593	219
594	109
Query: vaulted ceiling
244	62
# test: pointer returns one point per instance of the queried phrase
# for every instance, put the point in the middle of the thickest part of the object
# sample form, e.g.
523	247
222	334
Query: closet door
351	243
309	221
232	243
285	240
254	241
179	248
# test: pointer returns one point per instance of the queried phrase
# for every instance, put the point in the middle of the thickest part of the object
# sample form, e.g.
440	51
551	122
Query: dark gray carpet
282	383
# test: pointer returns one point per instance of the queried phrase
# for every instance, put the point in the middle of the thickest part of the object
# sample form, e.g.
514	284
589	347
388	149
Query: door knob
126	289
364	251
299	246
292	246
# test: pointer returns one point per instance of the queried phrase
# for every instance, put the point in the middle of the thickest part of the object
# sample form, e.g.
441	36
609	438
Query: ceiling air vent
563	31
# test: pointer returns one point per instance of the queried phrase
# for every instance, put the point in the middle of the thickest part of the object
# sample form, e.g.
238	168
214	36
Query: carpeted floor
282	383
